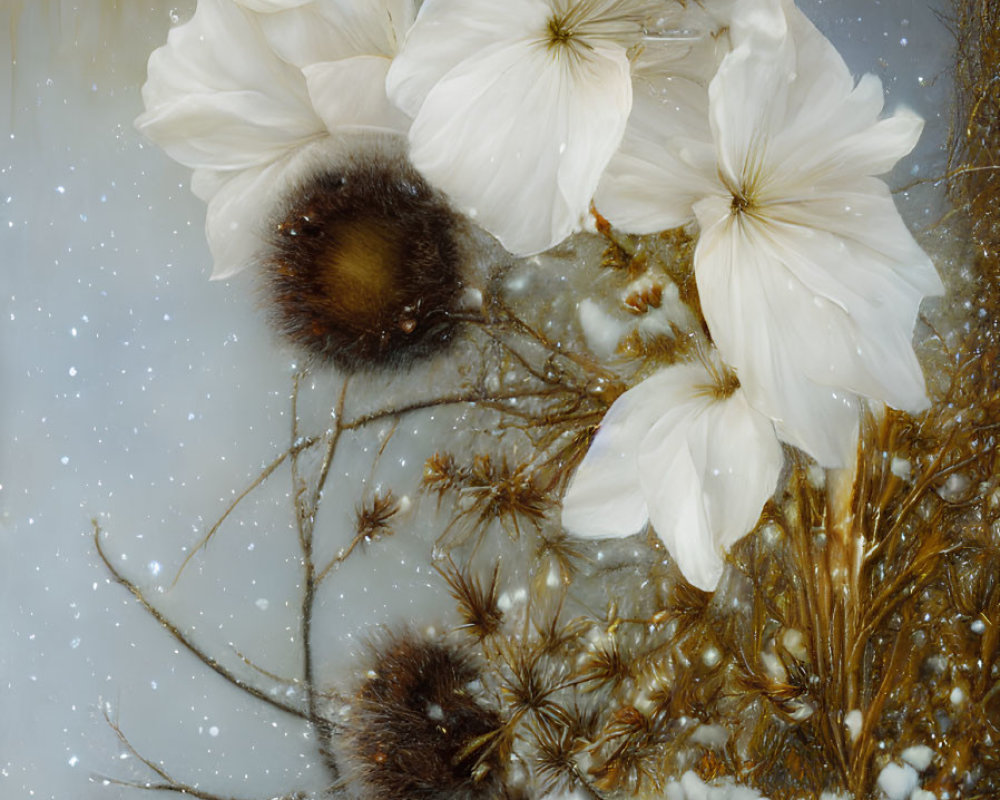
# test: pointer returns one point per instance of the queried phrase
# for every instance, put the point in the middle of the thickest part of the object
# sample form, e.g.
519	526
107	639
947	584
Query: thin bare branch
263	476
209	661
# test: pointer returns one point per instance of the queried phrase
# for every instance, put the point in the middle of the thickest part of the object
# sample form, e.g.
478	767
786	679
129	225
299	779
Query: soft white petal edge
234	222
747	296
666	161
240	207
700	468
350	93
706	469
518	138
604	498
329	30
217	97
445	33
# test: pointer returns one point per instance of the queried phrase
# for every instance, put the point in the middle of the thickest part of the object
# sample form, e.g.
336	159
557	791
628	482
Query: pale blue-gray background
136	392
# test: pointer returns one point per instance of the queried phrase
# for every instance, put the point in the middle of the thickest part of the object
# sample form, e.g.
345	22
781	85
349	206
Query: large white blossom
808	278
685	451
518	106
243	97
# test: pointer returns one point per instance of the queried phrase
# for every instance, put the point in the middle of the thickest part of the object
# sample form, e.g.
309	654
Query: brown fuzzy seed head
417	729
363	266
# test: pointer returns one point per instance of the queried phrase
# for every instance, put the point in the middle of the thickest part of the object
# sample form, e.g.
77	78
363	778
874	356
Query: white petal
747	104
794	97
863	214
779	335
447	32
811	294
822	80
876	150
666	160
739	459
754	17
832	285
206	182
241	208
218	97
604	498
681	519
218	131
707	467
837	132
518	138
515	132
235	218
329	30
862	298
350	93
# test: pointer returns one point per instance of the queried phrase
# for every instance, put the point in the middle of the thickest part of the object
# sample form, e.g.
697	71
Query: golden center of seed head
360	269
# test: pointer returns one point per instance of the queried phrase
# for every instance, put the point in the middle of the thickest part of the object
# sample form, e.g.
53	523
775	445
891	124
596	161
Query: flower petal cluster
688	455
808	278
243	90
518	107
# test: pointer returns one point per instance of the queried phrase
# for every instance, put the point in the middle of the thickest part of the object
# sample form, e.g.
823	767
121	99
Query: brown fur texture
363	266
418	729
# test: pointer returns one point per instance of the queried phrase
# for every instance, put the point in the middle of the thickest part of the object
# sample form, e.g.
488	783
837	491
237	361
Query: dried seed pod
477	602
418	729
362	270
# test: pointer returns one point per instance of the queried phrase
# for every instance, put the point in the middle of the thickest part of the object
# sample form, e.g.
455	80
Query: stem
844	559
263	476
469	397
305	519
181	638
341	557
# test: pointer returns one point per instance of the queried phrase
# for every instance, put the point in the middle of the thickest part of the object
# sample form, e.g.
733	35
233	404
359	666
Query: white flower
686	452
242	97
518	107
807	276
